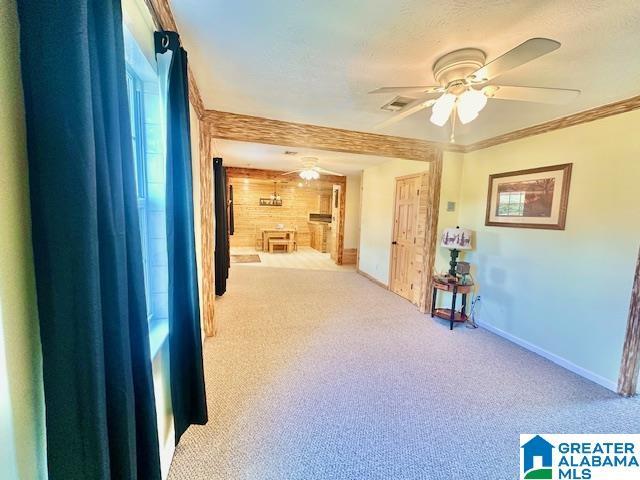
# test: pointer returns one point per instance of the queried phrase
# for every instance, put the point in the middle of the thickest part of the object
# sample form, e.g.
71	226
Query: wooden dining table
267	233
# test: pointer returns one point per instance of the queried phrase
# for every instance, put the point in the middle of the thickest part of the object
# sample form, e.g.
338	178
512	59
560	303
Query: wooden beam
431	233
590	115
342	207
276	175
628	380
164	20
207	223
246	128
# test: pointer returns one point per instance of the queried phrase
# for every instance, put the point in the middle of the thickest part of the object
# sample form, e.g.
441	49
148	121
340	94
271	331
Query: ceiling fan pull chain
452	138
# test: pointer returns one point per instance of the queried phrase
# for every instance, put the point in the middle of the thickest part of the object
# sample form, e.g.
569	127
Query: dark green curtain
100	408
185	343
221	254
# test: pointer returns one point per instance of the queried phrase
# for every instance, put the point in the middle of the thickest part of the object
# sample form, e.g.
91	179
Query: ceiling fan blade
409	109
523	53
399	90
292	171
328	172
554	96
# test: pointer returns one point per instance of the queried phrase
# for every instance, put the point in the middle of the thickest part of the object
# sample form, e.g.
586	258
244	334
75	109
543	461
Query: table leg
433	301
464	304
453	307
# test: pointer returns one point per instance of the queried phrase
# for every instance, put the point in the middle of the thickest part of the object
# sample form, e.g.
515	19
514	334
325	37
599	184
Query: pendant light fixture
274	196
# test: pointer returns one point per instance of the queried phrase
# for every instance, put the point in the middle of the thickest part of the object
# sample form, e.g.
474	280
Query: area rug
245	258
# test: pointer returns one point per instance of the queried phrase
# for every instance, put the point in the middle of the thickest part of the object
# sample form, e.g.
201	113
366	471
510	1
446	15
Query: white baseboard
166	453
563	362
373	279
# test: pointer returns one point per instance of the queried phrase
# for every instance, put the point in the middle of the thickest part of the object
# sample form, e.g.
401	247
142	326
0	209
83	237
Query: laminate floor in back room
325	375
305	258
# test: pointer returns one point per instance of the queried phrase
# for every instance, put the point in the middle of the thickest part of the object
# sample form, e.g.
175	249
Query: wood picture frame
532	198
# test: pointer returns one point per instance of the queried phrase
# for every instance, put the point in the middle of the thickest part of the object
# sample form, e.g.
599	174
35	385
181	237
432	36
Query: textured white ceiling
313	61
272	157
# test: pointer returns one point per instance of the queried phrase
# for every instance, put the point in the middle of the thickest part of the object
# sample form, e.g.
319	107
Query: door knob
394	243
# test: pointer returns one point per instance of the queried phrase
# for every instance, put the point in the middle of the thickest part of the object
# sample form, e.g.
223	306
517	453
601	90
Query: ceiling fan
310	169
464	86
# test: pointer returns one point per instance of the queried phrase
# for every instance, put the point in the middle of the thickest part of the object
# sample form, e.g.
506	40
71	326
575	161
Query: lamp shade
456	238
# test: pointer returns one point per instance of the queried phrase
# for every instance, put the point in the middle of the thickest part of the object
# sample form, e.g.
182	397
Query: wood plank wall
297	204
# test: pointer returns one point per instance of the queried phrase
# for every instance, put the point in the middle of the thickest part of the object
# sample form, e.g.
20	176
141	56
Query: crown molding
585	116
234	126
164	20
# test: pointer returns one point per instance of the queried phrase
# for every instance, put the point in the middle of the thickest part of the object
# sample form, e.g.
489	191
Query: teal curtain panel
100	407
185	343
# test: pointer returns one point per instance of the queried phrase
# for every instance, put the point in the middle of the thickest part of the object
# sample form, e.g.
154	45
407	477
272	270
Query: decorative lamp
456	239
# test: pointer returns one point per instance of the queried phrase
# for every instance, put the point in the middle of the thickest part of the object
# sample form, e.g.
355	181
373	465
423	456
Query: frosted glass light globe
442	109
469	104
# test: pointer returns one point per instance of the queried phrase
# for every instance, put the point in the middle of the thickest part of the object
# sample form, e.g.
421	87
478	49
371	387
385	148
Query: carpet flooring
324	375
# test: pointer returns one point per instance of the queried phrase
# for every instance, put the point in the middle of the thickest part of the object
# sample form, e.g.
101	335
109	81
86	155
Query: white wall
565	292
452	164
376	225
352	212
22	423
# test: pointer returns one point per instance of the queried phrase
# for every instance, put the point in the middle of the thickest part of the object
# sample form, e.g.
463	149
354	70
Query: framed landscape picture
534	198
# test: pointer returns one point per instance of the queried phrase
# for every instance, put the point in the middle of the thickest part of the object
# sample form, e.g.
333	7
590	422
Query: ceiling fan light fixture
466	116
309	174
469	104
442	109
472	99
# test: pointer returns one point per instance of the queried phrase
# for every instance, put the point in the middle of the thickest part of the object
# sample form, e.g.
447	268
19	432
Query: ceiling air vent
289	152
396	104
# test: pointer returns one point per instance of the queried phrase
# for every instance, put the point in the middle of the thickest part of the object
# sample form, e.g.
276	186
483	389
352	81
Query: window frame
135	94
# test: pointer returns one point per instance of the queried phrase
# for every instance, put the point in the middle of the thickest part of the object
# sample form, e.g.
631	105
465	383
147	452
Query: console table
450	313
